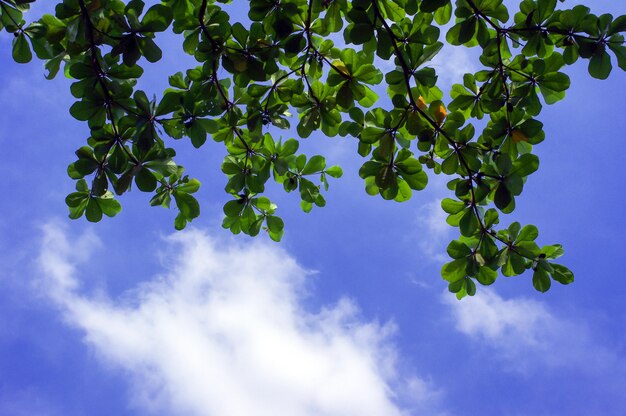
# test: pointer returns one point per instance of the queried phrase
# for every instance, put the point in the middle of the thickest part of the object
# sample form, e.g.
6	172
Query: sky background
348	315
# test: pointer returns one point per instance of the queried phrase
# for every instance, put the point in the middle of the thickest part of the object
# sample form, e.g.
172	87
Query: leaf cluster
250	79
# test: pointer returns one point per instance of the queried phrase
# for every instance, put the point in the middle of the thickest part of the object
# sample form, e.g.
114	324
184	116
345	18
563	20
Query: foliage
250	78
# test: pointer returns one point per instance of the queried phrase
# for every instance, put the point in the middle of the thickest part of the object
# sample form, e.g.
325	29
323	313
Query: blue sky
346	316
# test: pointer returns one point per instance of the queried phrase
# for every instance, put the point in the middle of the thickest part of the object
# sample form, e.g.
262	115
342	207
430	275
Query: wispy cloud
528	336
434	231
223	331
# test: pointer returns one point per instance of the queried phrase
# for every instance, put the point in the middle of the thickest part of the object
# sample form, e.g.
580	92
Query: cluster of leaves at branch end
478	259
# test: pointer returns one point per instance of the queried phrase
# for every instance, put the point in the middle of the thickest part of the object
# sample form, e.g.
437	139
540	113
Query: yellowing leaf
518	136
341	67
421	104
440	114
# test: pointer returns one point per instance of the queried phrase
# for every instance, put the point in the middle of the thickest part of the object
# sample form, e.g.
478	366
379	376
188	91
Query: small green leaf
180	222
452	206
263	203
486	276
164	167
562	274
470	287
468	223
21	49
600	65
553	251
289	148
334	171
93	212
275	224
315	164
528	233
157	18
189	187
108	205
457	249
233	208
541	280
454	270
145	180
187	204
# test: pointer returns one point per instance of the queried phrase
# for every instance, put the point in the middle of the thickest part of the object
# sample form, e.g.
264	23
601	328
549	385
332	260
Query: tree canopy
253	74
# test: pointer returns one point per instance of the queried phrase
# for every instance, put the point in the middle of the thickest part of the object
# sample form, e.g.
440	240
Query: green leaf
233	208
93	212
454	270
262	203
486	276
100	184
157	18
553	251
562	274
75	199
556	81
361	33
429	6
417	181
618	25
165	167
525	164
84	110
53	65
443	14
150	50
541	280
180	222
189	187
457	249
503	198
315	164
403	191
82	186
275	224
187	204
145	180
600	65
470	287
514	264
21	49
528	233
452	206
468	223
334	171
108	205
289	148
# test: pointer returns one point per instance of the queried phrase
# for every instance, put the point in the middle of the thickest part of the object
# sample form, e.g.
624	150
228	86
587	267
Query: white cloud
451	63
31	88
529	336
434	231
424	393
512	323
223	332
